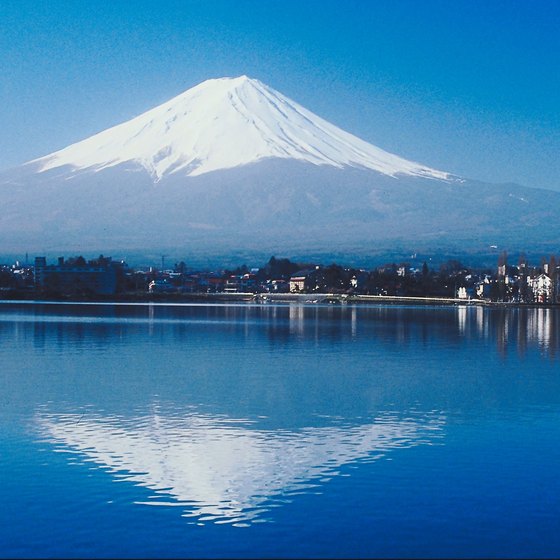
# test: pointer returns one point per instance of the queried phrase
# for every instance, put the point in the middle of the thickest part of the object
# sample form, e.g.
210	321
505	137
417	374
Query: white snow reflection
224	470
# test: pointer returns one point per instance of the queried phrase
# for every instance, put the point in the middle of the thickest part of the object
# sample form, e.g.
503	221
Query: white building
542	288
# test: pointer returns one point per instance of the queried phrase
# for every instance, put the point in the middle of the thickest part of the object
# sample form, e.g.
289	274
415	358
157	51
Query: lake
279	431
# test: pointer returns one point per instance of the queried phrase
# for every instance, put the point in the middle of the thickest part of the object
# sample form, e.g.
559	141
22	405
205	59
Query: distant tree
451	266
180	267
334	277
280	268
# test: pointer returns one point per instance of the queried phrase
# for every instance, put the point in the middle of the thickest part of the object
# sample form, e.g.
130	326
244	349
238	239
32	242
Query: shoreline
264	299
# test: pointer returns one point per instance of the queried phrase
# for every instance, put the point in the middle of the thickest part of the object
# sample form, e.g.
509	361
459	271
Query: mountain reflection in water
224	470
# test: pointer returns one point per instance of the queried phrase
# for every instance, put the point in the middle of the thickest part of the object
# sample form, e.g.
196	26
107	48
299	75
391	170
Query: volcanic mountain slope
232	163
222	124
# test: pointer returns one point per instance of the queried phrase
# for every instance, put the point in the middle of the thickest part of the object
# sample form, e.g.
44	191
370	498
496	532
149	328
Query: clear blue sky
471	87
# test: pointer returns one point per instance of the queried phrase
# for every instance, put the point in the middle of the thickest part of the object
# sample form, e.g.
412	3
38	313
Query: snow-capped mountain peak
225	123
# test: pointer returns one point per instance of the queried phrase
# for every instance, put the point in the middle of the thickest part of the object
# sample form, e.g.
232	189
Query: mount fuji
223	124
232	164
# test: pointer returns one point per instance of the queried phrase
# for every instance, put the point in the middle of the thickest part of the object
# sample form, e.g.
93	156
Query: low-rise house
161	286
248	282
233	284
303	281
279	286
214	284
483	289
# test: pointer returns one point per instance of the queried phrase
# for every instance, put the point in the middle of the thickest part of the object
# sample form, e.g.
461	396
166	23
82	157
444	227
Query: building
542	288
462	293
161	286
76	276
303	281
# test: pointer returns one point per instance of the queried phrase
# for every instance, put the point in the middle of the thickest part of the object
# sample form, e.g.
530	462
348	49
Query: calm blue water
259	431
